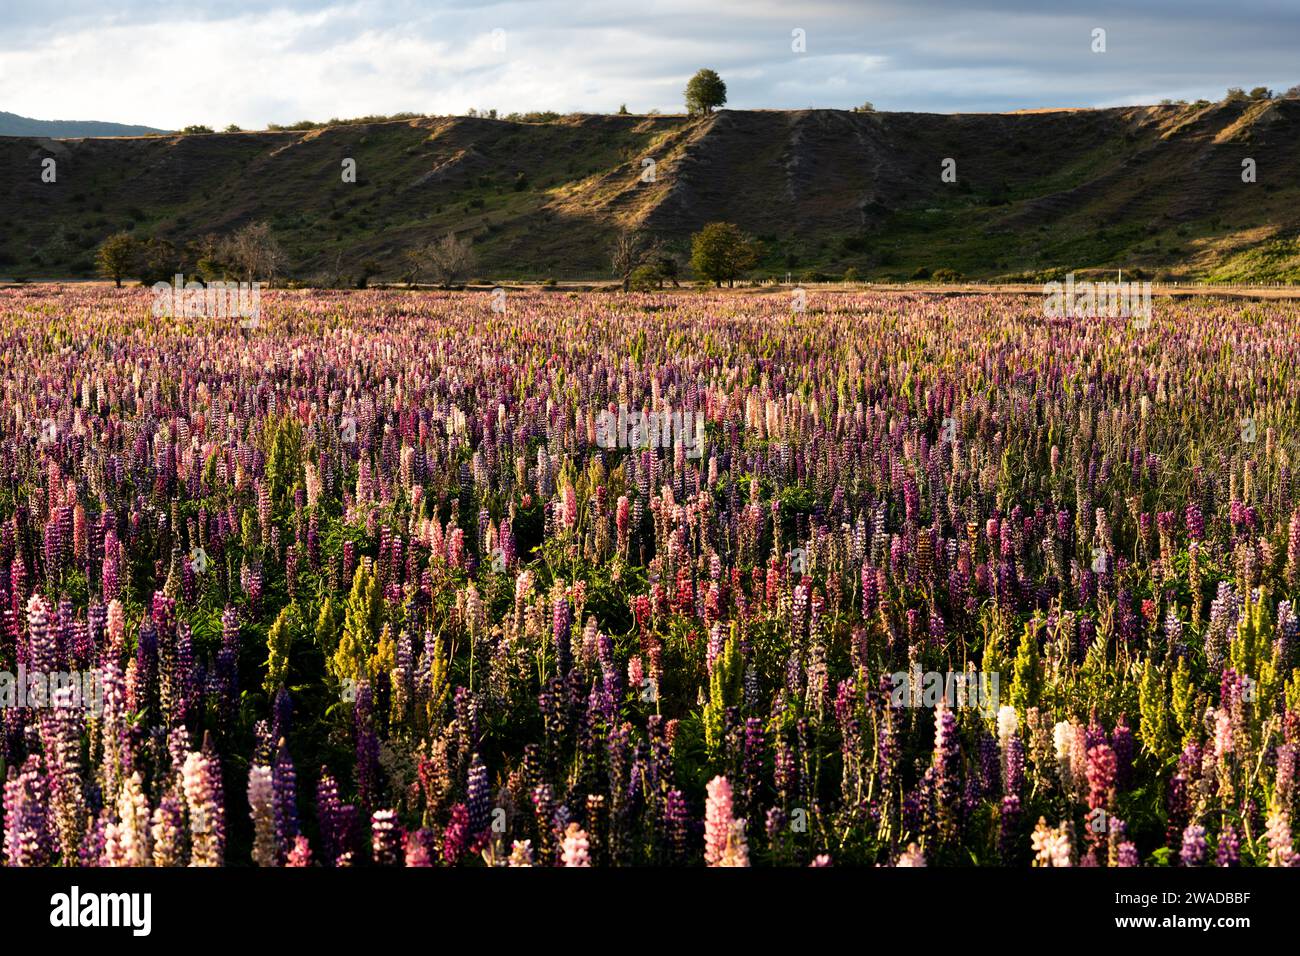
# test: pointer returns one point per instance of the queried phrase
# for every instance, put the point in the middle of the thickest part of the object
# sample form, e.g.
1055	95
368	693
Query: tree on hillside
666	266
158	260
1261	93
1293	93
208	253
645	278
116	257
448	260
630	249
720	252
705	92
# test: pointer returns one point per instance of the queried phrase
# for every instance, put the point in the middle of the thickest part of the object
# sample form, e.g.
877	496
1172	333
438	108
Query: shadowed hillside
1153	188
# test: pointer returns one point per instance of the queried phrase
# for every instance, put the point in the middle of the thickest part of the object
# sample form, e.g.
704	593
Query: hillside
1153	188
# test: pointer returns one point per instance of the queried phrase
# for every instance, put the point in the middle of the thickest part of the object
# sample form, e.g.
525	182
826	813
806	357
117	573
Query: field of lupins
359	586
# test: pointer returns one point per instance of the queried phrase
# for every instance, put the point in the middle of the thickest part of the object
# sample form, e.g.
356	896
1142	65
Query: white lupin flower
1008	724
1062	739
260	802
133	830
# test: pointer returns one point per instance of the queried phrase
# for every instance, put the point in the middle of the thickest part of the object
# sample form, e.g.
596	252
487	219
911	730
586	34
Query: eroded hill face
1153	188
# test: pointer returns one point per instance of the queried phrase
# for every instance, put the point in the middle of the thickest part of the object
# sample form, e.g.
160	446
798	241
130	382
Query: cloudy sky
169	64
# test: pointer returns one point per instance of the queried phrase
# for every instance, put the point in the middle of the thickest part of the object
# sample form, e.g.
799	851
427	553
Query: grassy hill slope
1153	188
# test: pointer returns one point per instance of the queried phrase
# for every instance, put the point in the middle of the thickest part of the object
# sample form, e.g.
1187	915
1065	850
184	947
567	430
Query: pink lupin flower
574	851
911	857
724	836
569	509
300	855
201	781
1277	830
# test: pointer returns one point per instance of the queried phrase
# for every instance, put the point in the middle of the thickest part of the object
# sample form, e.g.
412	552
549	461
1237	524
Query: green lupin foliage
327	626
1254	634
1185	703
1293	690
279	641
1024	674
360	626
384	657
439	678
1153	705
724	690
250	534
284	463
210	470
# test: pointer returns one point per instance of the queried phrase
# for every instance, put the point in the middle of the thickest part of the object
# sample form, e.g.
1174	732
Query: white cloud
215	63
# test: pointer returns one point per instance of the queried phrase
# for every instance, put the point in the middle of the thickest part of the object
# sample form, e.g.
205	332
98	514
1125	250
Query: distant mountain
11	124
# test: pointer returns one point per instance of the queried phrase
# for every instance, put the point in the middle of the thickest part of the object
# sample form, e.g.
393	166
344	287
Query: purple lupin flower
1194	846
1122	745
947	767
367	746
1009	838
146	665
28	840
168	831
776	824
336	821
91	850
1178	803
185	678
456	838
990	764
226	675
562	626
676	824
752	763
543	800
284	800
478	797
110	572
41	639
60	731
1229	852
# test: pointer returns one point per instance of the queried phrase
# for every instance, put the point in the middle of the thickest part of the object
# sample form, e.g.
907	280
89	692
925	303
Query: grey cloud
937	55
